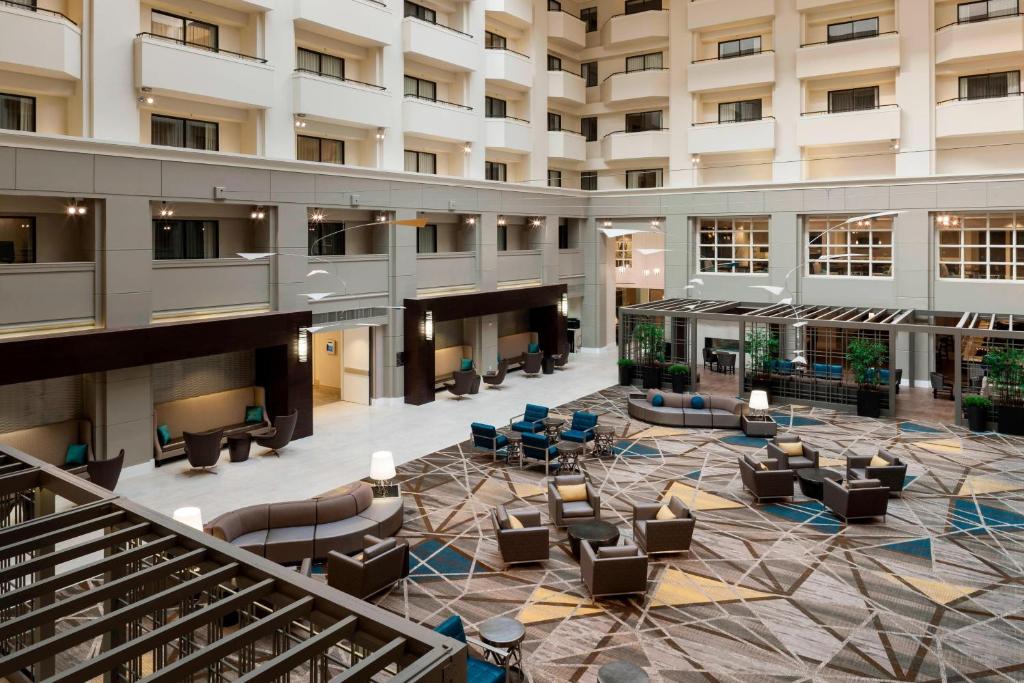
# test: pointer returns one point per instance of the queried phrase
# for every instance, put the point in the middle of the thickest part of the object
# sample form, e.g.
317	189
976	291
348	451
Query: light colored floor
344	436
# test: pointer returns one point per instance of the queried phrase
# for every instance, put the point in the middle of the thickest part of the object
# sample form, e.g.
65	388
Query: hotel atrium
496	341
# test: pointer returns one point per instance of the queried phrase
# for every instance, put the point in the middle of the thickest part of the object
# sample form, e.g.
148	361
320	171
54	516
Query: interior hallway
345	434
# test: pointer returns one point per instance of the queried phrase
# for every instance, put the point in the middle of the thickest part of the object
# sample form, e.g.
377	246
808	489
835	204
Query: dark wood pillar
419	356
288	384
550	328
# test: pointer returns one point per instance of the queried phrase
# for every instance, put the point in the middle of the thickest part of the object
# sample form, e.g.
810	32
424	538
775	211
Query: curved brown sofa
293	531
719	412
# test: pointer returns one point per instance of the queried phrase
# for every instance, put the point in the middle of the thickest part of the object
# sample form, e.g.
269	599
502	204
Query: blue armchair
487	437
582	428
536	447
828	372
477	670
530	422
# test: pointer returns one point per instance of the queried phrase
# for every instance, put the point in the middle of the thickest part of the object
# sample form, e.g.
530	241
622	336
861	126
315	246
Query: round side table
238	447
604	440
514	449
506	633
569	453
552	427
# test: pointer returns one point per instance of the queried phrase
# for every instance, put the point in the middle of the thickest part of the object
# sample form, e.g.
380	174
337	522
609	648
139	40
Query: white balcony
438	45
849	127
980	117
630	28
333	100
720	74
566	30
566	87
508	135
40	43
519	267
635	87
648	144
204	284
804	5
439	120
358	21
570	263
364	275
705	13
47	294
518	13
509	69
723	138
450	270
867	55
566	145
170	68
960	42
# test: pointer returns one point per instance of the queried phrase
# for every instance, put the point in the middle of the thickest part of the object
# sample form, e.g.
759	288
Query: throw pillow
763	466
664	513
572	493
253	414
467	364
878	461
697	403
658	401
76	454
163	434
609	551
792	447
514	523
534	347
378	549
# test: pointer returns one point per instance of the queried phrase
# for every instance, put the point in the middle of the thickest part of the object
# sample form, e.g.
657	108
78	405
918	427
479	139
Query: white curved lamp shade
382	466
759	400
189	516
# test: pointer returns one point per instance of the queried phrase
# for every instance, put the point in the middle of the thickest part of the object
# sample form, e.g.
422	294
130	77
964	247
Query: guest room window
185	239
502	238
745	110
983	10
588	126
733	245
420	12
653	60
426	240
494	108
190	31
643	178
984	86
495	170
323	150
588	180
728	49
853	30
589	17
860	249
17	112
170	131
320	63
589	72
554	178
987	246
17	239
420	162
326	239
853	99
421	88
638	122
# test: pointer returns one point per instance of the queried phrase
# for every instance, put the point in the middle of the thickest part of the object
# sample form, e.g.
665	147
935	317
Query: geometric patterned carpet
774	592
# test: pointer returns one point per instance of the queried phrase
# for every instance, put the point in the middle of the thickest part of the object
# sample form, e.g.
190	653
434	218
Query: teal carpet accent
970	517
810	512
634	449
918	547
432	559
787	420
914	427
745	441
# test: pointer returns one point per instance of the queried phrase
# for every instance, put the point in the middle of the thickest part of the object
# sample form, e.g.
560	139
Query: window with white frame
624	251
837	247
733	245
986	246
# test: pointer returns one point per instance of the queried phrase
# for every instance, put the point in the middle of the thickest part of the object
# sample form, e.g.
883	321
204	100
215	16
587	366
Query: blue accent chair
826	371
536	447
487	437
530	422
582	428
477	670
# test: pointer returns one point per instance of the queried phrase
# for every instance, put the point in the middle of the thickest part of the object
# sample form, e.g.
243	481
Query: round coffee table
569	453
812	481
506	633
621	672
597	533
238	447
552	426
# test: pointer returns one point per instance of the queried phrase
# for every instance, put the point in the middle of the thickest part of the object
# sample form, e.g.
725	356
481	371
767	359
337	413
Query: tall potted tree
761	347
865	356
649	339
1006	376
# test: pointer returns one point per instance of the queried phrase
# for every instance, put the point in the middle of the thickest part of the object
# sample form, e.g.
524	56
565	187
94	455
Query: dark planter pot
869	403
977	418
1011	420
625	375
652	377
680	383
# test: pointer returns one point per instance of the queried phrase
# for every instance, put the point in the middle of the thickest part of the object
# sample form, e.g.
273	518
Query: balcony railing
434	23
636	71
725	59
850	111
505	49
507	118
410	96
340	78
980	97
642	130
574	73
984	17
30	8
218	50
850	40
725	123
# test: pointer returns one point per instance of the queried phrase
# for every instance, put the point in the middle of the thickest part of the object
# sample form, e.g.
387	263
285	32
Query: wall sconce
695	160
647	272
299	123
501	221
657	271
467	148
76	209
302	346
606	224
471	221
146	97
166	211
428	325
536	222
563	304
380	133
382	218
655	223
257	214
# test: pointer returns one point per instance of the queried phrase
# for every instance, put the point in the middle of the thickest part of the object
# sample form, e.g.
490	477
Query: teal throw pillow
163	434
658	401
534	347
697	403
76	455
467	364
253	414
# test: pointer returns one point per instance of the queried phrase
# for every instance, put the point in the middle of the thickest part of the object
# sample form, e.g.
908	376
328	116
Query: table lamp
382	470
759	402
189	516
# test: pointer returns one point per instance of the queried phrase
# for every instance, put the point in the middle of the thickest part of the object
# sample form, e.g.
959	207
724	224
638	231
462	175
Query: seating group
686	410
535	444
466	380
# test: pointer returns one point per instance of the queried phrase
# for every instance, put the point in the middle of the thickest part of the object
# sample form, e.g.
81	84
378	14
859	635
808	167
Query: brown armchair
531	363
860	499
203	448
563	512
764	479
613	570
892	474
462	384
529	544
105	473
381	564
493	380
284	427
809	454
663	535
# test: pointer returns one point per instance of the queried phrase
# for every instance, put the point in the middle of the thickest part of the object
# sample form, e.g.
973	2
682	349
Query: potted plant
680	375
649	339
976	406
626	371
864	357
1006	377
761	348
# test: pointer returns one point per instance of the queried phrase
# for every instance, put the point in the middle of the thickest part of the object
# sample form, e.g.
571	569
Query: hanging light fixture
165	211
471	221
428	325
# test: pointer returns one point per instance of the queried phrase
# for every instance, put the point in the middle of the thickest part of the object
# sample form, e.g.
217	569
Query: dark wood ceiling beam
366	668
303	652
42	525
78	550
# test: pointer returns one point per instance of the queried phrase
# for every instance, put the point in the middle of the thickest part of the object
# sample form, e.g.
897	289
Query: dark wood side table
569	453
514	449
604	440
597	533
239	446
759	425
552	427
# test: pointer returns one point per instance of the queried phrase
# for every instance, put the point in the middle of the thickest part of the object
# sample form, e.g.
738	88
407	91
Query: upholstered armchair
570	504
381	564
940	385
531	363
493	380
486	436
613	570
105	473
532	420
764	479
284	428
522	540
203	449
536	447
660	534
802	457
884	466
581	430
561	360
859	499
462	383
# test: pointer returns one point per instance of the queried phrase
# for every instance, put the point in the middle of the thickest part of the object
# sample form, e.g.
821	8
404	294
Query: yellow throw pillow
879	461
573	493
792	447
664	513
514	523
764	466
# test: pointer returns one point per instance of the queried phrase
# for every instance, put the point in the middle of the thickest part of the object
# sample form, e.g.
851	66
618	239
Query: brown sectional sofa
295	530
719	412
